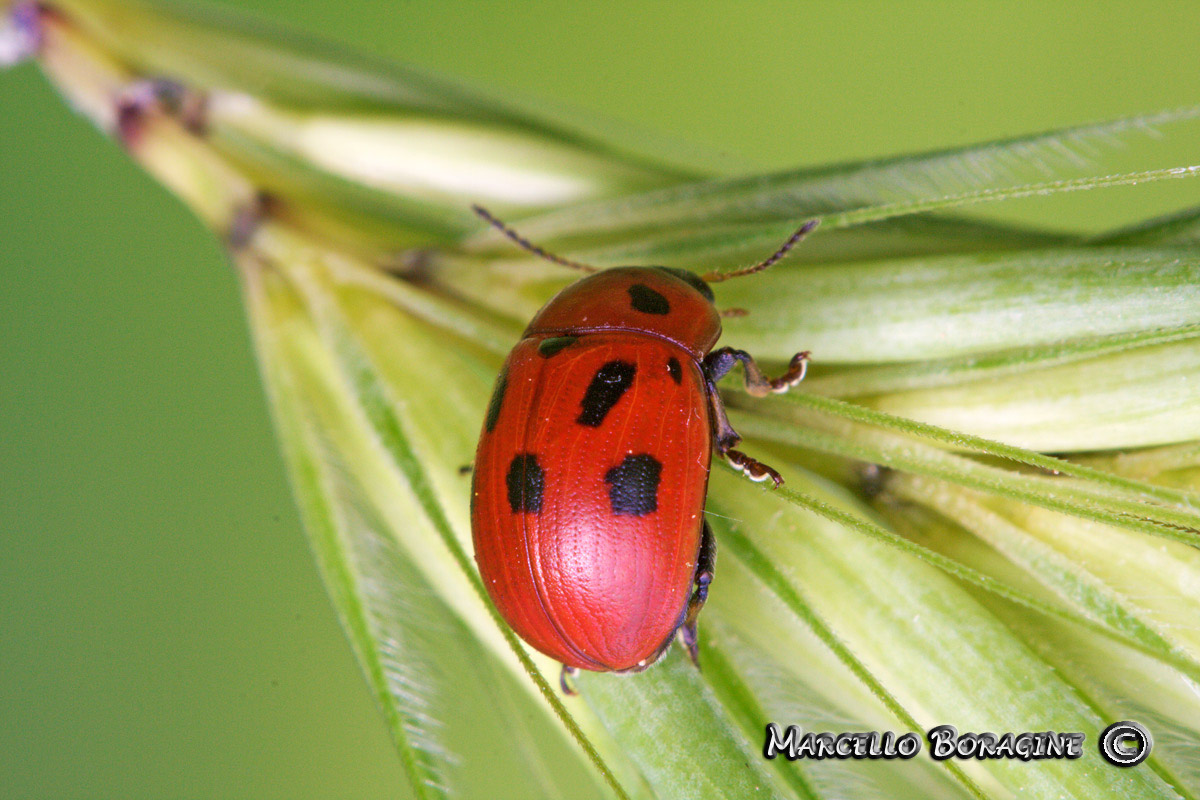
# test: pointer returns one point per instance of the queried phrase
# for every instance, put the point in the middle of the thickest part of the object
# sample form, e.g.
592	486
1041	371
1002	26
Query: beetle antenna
487	217
793	240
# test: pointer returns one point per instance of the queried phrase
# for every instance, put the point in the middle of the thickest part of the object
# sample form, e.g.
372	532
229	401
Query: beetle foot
795	373
566	680
687	631
752	469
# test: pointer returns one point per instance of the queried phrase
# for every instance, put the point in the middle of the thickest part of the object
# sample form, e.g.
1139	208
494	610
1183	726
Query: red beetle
589	482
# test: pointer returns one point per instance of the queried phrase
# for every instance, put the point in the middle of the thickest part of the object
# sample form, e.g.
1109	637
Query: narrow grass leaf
1072	157
1138	398
1069	564
1102	496
702	247
680	735
1123	683
877	379
941	655
766	665
954	306
430	673
416	422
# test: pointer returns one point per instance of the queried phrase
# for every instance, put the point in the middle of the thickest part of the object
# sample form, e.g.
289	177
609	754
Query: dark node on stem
131	113
25	37
412	265
162	96
187	105
872	480
247	219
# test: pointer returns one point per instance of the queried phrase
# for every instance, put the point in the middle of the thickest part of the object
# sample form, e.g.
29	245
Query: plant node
20	33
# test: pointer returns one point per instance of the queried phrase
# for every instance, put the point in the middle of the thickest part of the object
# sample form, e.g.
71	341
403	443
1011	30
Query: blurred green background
163	632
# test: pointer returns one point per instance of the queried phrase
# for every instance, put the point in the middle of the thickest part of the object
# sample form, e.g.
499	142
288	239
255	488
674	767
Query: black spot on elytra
693	280
633	486
675	369
493	411
555	344
526	481
648	301
608	384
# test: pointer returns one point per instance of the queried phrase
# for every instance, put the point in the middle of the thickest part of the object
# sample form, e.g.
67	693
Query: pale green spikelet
991	511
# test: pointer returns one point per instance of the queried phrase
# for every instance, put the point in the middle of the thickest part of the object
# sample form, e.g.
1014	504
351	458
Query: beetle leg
753	469
705	562
726	437
724	434
566	682
718	363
